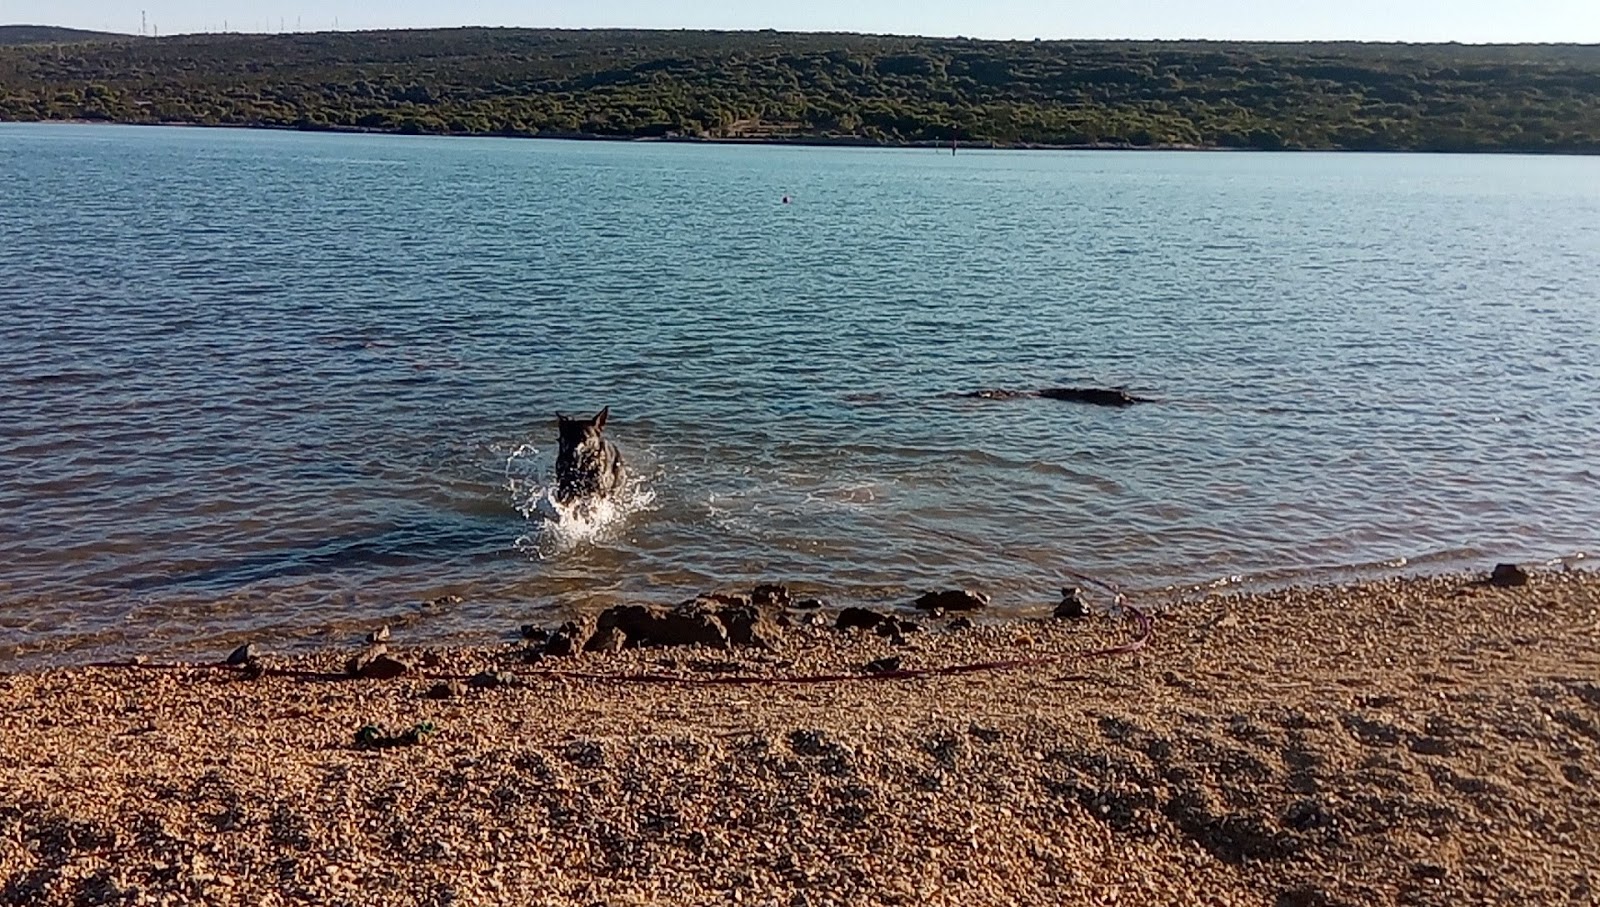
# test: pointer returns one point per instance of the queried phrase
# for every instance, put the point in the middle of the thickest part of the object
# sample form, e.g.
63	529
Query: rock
442	601
1095	396
960	624
808	604
1072	606
860	619
883	666
606	639
770	595
243	655
446	689
952	600
747	625
689	624
379	635
377	664
568	639
1506	576
535	633
489	680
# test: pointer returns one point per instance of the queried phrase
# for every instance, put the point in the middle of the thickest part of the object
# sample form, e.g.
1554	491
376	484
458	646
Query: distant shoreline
808	141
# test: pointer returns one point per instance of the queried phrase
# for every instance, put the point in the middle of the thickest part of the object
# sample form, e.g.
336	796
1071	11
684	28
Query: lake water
286	387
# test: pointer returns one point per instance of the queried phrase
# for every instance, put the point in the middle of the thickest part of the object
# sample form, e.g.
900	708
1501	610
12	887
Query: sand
1410	741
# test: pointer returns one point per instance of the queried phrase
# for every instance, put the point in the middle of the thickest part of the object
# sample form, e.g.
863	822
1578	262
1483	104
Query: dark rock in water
770	595
952	600
244	654
861	619
808	604
1095	396
997	394
446	689
379	635
535	633
377	664
442	601
960	624
1072	605
883	666
1507	576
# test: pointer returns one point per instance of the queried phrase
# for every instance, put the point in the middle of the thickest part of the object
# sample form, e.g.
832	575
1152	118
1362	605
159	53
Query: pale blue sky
1371	20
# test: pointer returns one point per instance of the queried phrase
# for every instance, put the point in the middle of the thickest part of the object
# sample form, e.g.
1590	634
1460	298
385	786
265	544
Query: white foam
557	527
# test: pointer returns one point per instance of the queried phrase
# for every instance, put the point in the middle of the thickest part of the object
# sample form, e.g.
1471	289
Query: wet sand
1417	741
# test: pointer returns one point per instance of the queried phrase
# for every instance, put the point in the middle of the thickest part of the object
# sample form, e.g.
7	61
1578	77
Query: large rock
719	621
1094	396
953	600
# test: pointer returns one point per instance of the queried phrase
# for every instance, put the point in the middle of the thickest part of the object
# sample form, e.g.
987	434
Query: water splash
558	527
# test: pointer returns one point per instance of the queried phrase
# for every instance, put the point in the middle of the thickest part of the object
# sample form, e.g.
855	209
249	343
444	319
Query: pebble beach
1425	740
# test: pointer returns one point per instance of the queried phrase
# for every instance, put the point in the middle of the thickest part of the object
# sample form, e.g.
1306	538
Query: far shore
816	141
1422	740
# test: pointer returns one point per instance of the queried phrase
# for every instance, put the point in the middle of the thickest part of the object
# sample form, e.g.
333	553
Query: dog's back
587	465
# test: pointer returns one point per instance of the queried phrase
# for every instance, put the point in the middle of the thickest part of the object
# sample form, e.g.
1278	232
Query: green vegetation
877	89
50	34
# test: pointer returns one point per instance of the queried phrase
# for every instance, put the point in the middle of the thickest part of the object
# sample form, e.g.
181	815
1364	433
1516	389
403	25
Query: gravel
1418	741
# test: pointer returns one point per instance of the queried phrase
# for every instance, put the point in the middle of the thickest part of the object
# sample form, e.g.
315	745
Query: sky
1472	21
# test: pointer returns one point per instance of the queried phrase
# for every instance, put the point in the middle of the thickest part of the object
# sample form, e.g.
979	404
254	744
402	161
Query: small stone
883	666
961	624
535	633
1506	576
378	664
771	595
379	635
953	600
1072	605
489	680
446	689
442	601
243	654
808	604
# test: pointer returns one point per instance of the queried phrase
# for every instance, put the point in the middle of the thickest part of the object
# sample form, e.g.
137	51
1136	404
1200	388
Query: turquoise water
286	387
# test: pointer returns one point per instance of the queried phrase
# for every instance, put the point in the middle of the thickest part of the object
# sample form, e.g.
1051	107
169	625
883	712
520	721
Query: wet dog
587	465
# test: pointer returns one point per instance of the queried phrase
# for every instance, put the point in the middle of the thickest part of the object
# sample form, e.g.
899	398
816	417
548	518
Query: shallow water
287	387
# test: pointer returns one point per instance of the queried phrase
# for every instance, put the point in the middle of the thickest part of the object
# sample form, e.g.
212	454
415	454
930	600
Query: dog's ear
601	417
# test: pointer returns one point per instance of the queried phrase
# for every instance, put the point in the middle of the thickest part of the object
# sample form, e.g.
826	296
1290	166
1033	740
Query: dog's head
580	434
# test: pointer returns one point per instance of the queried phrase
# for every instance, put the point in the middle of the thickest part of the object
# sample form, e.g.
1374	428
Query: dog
588	466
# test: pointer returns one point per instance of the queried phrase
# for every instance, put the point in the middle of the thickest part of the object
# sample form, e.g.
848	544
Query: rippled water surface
287	387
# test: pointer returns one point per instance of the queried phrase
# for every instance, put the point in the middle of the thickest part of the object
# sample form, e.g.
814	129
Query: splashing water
558	527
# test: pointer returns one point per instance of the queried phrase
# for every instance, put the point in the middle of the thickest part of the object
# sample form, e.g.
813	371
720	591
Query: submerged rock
952	600
1094	396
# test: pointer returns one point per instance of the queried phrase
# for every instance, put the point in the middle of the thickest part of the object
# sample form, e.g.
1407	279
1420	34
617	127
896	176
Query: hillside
838	87
49	34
